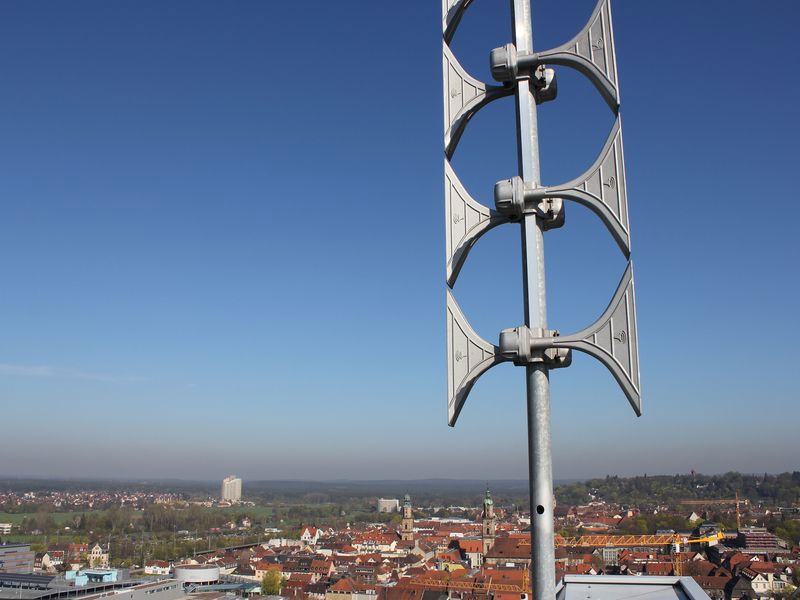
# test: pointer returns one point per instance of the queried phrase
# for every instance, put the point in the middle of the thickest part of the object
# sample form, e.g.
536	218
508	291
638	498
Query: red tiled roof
470	545
711	583
582	569
761	566
656	568
156	563
348	585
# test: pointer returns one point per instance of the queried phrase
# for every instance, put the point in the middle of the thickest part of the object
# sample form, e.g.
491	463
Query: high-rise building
231	489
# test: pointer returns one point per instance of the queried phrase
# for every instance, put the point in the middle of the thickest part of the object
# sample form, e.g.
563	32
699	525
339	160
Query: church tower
489	523
407	526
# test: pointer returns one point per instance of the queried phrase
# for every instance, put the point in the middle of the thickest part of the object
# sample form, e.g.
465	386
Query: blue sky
222	241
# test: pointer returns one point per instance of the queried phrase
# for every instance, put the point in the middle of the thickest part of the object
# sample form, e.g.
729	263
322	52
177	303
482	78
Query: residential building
98	558
157	567
309	535
471	551
347	589
231	489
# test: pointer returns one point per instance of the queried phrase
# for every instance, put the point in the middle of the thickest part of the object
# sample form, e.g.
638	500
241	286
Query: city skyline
223	230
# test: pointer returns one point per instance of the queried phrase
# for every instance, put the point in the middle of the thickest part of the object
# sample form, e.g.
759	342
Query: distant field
9	518
58	517
260	513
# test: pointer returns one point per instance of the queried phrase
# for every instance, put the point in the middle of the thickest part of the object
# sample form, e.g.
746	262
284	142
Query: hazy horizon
556	481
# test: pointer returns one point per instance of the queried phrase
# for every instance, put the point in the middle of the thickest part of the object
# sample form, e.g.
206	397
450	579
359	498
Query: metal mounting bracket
510	199
517	345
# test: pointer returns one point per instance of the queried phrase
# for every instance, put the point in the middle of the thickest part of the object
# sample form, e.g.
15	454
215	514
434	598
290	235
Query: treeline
46	506
154	518
163	486
437	492
161	519
775	490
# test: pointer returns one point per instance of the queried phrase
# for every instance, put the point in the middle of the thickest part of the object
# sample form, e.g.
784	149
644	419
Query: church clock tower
407	524
489	523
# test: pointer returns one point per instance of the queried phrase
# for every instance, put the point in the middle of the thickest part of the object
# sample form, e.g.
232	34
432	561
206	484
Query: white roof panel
622	587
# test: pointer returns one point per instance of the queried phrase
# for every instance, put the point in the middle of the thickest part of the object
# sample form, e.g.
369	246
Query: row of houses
71	557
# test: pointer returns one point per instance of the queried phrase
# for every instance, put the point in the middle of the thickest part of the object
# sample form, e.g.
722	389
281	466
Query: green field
259	513
58	517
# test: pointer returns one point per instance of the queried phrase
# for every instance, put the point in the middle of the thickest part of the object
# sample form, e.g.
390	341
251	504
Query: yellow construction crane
617	541
673	540
627	541
718	501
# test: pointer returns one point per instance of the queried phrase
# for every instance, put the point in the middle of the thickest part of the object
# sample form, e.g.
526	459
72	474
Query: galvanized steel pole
535	302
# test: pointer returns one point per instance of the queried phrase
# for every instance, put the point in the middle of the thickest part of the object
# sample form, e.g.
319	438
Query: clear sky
222	241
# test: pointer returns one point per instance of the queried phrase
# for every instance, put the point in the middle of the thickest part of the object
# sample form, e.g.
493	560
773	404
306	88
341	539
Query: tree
271	583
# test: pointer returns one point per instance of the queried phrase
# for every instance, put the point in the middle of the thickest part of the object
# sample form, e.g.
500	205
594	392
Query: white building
157	567
231	489
309	535
5	528
98	558
386	505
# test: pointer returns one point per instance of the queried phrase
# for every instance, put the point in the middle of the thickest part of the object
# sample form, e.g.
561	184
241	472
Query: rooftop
622	587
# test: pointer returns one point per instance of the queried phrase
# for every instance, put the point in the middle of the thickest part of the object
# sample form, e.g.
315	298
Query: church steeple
407	524
489	523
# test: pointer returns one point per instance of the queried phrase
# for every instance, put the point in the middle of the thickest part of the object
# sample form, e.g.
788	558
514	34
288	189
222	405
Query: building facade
231	489
387	505
16	558
98	558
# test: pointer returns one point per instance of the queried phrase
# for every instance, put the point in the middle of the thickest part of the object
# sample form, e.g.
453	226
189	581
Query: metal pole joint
528	345
507	65
511	200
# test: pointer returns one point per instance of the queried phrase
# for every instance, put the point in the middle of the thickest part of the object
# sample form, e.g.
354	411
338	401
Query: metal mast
612	339
540	462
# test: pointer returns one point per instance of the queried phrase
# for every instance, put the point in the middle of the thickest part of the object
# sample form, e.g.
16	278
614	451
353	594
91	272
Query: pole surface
540	461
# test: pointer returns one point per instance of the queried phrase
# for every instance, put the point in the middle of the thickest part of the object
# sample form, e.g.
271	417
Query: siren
591	52
601	189
612	340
